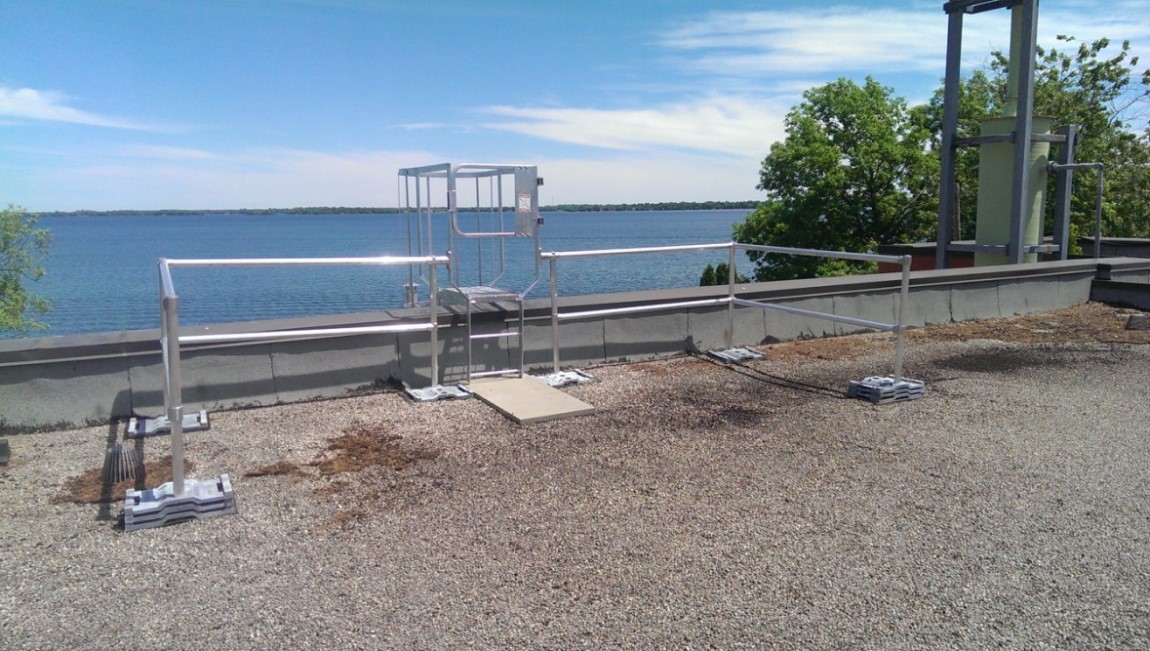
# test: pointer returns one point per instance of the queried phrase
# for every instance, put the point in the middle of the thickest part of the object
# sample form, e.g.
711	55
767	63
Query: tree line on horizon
344	210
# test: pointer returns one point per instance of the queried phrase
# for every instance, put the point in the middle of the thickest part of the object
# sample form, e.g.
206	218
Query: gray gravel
701	507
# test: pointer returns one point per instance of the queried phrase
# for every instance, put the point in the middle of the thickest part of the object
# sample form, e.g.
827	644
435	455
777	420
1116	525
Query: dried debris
89	488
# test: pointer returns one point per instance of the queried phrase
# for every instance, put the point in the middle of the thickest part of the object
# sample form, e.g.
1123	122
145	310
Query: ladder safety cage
505	208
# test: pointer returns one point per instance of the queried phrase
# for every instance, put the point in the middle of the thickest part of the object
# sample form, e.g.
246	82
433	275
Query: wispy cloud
160	152
728	125
875	40
31	104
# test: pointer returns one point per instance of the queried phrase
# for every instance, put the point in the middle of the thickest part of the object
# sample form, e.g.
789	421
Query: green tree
1085	86
855	170
22	245
708	277
719	275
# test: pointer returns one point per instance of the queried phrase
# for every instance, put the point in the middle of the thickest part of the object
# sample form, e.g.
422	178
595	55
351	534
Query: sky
218	104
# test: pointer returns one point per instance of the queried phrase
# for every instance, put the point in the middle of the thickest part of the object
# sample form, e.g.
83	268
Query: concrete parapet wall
93	378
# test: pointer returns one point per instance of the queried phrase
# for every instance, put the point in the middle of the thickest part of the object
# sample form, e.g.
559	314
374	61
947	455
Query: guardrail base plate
160	506
438	392
882	390
141	427
733	355
564	378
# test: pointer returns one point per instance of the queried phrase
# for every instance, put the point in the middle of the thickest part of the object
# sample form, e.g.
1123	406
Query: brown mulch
362	446
89	488
1085	322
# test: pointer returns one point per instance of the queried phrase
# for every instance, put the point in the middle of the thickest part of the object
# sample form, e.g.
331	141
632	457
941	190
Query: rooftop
702	505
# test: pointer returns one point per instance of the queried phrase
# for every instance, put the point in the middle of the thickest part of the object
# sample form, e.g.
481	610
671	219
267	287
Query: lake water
102	274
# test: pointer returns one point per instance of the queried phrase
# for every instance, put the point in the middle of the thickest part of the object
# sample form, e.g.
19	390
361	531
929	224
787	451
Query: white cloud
31	104
874	40
642	178
170	153
734	126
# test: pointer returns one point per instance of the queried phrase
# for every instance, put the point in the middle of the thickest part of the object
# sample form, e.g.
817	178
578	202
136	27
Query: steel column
1023	128
946	193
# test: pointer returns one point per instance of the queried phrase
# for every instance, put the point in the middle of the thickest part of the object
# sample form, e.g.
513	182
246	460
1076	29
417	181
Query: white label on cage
524	203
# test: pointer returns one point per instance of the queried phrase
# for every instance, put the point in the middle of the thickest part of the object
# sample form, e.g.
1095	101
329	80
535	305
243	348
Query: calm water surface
102	276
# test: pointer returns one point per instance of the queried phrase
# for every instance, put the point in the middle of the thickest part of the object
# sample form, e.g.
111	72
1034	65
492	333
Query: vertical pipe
1063	187
554	316
731	296
171	308
434	308
946	205
903	298
1098	215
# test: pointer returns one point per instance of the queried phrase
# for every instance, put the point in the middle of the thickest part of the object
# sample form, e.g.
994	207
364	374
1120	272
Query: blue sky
149	104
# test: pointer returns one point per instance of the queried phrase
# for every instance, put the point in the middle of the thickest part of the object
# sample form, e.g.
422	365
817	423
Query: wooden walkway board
527	400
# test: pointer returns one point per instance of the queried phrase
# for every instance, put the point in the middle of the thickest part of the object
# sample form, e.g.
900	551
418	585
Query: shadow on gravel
753	373
1009	360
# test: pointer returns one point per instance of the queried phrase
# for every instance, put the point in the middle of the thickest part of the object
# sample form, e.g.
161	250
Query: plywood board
527	400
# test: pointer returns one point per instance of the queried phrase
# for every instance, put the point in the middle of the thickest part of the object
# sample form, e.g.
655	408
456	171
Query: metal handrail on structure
170	338
732	300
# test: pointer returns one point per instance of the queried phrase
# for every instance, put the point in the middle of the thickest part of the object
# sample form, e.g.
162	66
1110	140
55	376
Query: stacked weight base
156	507
881	390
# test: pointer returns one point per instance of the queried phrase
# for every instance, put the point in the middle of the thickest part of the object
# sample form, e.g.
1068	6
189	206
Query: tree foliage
719	274
854	171
22	245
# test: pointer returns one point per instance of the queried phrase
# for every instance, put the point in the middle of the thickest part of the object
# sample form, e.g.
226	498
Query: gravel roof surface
702	506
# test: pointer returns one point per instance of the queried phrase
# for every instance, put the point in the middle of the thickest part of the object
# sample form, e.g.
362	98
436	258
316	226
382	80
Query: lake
101	273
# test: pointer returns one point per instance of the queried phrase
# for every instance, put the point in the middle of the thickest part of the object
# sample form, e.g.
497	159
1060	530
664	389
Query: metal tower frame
1023	133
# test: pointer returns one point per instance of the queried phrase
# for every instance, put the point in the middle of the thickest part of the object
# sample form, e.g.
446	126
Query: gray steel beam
977	6
946	193
1022	130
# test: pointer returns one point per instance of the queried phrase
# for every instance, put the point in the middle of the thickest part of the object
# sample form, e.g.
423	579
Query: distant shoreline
332	210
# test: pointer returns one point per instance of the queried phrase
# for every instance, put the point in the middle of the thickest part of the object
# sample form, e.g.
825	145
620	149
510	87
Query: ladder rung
497	335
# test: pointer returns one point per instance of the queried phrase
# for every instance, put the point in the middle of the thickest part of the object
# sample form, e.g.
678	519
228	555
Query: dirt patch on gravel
1085	322
89	488
363	446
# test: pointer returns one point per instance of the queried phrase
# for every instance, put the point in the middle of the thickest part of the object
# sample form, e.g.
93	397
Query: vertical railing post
171	310
554	315
432	277
903	299
731	297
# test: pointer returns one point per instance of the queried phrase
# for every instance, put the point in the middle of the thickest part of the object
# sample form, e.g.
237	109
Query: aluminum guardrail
732	300
170	338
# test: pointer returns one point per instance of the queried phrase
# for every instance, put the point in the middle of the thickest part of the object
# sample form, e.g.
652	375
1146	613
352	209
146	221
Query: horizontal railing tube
841	255
864	323
635	309
298	334
307	262
564	255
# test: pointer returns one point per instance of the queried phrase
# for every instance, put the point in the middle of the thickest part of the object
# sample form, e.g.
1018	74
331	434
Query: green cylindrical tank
995	181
